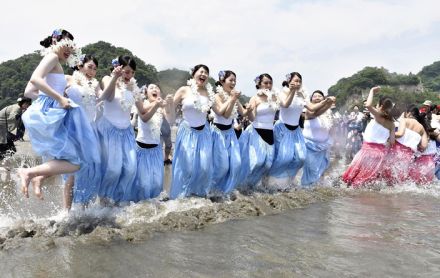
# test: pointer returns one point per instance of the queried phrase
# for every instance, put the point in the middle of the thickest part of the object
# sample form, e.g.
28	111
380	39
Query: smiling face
88	69
201	76
153	92
266	83
64	53
317	98
229	83
127	73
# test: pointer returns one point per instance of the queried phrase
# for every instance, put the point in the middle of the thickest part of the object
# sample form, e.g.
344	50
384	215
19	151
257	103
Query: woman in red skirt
368	162
423	171
410	137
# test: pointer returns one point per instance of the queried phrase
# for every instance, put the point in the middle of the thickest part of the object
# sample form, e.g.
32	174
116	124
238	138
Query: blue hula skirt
118	156
88	179
317	161
290	151
63	134
256	158
149	176
226	160
192	164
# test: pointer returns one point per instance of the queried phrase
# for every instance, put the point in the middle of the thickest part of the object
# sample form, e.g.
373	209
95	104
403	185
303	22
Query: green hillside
403	89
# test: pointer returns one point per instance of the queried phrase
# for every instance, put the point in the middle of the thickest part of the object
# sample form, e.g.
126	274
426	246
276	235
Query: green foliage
105	53
402	99
172	79
430	76
350	89
14	75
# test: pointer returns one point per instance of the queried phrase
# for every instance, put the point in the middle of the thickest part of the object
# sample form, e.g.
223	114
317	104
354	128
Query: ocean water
329	231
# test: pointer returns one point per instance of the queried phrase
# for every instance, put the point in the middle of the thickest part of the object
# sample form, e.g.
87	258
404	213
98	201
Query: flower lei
74	58
130	93
326	119
226	97
89	86
275	105
156	122
197	103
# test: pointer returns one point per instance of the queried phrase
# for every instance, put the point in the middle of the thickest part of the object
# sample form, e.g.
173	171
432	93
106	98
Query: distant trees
404	89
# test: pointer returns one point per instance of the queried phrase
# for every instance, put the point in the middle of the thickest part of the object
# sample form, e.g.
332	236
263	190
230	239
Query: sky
323	40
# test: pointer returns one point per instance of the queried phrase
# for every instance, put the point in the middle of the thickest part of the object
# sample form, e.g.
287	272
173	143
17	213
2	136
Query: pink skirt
397	164
366	166
423	170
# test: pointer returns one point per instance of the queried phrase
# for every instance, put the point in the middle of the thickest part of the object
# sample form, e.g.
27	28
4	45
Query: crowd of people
83	129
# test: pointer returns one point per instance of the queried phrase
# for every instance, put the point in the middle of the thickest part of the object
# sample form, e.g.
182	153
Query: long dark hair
414	111
386	103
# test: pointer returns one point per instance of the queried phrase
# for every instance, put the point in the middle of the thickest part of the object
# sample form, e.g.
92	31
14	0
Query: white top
193	116
149	132
264	117
113	111
313	130
431	149
410	139
376	133
56	81
218	119
77	94
291	114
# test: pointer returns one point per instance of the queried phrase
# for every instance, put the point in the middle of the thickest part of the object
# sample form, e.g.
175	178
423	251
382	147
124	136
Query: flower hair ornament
115	62
257	80
57	32
288	77
221	75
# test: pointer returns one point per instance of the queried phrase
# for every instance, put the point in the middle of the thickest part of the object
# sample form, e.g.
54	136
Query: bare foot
36	184
25	180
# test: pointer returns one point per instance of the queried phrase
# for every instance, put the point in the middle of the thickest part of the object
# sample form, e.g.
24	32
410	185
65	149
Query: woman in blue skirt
226	149
317	138
116	135
59	130
290	147
257	141
149	175
192	164
84	90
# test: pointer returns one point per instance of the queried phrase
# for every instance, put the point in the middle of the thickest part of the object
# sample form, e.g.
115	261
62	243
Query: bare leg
167	153
36	184
68	192
48	169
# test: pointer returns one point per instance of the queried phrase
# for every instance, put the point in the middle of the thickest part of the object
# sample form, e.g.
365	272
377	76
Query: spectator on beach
165	138
10	118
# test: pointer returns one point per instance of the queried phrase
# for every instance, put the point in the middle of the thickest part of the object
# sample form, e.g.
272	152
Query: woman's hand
117	72
64	103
